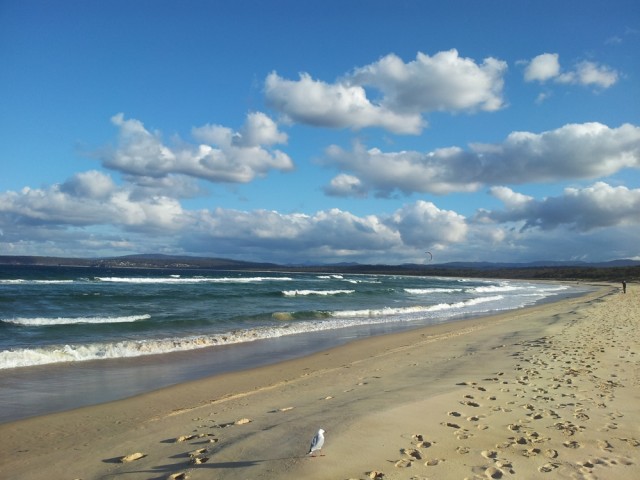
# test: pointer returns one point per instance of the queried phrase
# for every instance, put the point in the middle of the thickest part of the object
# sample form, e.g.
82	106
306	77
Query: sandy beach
551	391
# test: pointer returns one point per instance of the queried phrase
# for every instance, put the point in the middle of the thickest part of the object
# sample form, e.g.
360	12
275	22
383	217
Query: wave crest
48	322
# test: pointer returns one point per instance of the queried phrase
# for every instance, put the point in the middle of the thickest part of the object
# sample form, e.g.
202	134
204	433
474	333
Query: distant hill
615	270
538	264
136	261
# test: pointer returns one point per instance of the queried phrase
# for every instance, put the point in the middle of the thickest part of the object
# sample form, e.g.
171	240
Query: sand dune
547	392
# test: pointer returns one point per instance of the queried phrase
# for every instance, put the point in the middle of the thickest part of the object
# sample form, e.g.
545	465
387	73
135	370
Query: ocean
77	336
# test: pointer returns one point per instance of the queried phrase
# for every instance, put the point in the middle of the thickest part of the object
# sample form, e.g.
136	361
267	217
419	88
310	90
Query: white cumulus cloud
390	93
90	199
542	68
583	209
330	234
422	224
344	185
546	67
337	105
222	156
442	82
574	151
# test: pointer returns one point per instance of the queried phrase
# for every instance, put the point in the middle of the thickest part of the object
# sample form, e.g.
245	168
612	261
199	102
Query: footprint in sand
581	416
413	453
493	472
571	444
132	457
586	464
605	445
404	463
454	414
462	434
548	467
490	454
198	452
462	450
530	452
199	460
433	462
631	441
178	476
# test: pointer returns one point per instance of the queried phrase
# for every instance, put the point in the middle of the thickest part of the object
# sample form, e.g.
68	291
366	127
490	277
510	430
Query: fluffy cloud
422	224
443	82
223	155
344	185
337	106
90	199
542	68
88	214
574	151
586	209
333	230
332	234
546	67
91	184
590	74
79	214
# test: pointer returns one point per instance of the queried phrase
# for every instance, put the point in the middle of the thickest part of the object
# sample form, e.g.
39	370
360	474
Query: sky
291	131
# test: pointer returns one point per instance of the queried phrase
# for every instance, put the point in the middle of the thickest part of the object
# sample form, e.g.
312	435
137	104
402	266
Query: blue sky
333	131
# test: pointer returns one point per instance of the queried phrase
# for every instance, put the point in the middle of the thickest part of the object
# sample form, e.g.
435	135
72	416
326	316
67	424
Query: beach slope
550	391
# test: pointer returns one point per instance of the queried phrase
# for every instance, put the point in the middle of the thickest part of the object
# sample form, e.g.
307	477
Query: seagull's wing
316	442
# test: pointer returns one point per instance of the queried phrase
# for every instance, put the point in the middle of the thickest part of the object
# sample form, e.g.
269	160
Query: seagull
316	443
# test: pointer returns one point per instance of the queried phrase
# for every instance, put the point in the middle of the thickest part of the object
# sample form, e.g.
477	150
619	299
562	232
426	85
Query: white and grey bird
317	442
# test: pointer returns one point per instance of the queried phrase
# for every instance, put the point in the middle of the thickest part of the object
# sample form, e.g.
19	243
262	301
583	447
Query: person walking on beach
624	286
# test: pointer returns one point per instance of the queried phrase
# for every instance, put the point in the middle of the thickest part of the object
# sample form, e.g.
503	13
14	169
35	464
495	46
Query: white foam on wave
22	281
23	357
425	291
416	308
180	280
302	293
46	322
496	288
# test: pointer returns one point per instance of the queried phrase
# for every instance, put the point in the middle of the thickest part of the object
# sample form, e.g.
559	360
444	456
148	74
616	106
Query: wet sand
549	391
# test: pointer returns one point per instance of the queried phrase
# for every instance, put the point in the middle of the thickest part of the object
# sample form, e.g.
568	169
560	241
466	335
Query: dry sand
546	392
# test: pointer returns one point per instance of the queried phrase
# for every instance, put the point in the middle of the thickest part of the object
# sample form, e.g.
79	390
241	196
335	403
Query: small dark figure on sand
624	286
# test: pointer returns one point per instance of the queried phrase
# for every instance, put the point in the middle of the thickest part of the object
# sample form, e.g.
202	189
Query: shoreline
44	389
371	395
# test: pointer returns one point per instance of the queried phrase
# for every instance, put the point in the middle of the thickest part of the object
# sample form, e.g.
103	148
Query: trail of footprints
545	406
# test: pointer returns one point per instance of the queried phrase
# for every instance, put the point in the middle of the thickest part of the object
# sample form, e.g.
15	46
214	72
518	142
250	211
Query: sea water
76	336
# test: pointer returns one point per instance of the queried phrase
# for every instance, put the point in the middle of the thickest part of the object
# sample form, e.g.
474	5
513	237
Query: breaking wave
46	322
